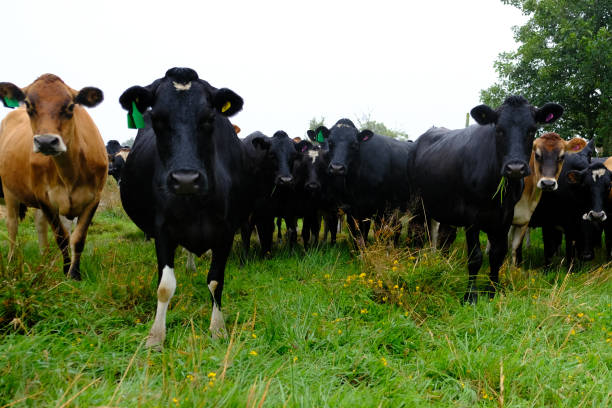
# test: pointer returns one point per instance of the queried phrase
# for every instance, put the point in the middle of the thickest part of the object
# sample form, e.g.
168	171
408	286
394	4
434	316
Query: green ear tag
320	137
131	124
137	117
11	103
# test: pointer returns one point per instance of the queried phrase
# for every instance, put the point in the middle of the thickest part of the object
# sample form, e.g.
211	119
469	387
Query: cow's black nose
337	169
284	180
185	182
516	170
312	186
548	184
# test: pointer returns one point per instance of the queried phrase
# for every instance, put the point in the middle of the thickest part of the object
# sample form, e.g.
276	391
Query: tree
315	123
565	56
128	142
366	122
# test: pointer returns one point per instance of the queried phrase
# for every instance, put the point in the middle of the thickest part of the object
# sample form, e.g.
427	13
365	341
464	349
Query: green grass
316	329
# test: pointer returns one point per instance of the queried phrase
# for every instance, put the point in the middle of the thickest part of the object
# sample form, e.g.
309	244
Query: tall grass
330	327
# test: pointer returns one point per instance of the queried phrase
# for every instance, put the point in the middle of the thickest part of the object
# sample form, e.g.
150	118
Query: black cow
273	158
185	181
369	175
472	177
113	147
560	212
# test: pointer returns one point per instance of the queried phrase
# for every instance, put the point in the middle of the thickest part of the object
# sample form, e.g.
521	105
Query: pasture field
327	328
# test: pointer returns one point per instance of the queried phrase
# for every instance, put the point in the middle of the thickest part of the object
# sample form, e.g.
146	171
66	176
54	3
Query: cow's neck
67	165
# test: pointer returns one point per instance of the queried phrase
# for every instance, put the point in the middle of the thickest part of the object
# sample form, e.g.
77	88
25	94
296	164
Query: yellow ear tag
226	107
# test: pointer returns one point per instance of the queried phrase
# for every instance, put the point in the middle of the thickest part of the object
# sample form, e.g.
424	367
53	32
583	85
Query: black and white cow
472	177
596	182
116	162
185	181
369	175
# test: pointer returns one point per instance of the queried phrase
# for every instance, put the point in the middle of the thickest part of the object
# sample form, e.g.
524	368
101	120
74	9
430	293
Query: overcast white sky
409	64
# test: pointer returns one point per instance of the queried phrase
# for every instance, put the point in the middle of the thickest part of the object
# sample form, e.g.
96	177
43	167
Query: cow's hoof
74	274
218	333
154	342
470	297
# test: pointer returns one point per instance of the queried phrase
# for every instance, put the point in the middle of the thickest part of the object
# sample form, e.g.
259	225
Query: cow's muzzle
187	182
516	170
49	144
284	181
595	216
547	184
336	169
312	187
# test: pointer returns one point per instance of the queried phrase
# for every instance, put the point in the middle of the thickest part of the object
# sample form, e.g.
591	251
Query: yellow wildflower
212	374
383	361
364	311
253	352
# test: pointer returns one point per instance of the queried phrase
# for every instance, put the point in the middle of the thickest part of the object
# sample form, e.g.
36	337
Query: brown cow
52	157
545	164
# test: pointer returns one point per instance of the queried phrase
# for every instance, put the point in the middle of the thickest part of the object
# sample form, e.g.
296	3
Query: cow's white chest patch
313	154
181	87
598	173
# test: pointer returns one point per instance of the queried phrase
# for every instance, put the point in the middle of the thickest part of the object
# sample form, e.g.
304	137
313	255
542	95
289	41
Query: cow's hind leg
474	263
215	280
165	290
77	240
498	251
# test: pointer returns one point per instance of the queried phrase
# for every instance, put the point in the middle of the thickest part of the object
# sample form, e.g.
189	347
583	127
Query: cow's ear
548	113
89	96
302	146
236	129
575	176
142	97
484	115
365	135
321	133
11	95
575	145
227	102
260	143
311	135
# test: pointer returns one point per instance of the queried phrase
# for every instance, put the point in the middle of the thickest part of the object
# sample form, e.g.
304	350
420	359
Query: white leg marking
434	232
165	291
217	323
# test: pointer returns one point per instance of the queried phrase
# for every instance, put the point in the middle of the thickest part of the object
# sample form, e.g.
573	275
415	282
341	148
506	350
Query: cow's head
307	168
515	122
116	162
186	113
547	157
50	104
343	141
597	179
113	147
281	153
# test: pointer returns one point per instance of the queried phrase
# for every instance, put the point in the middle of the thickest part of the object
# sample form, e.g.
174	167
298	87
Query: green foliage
366	122
315	123
565	56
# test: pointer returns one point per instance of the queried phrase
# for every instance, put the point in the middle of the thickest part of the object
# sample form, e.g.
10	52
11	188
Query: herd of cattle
189	181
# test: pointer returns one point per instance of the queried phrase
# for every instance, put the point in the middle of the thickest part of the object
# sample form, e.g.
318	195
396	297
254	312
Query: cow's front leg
62	236
474	263
77	239
498	251
215	280
165	289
